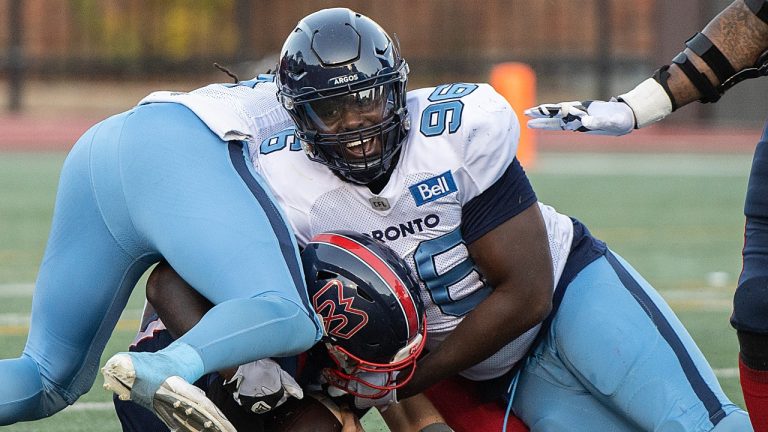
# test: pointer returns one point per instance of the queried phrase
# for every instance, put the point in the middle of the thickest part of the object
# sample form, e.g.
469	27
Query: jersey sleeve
491	133
496	187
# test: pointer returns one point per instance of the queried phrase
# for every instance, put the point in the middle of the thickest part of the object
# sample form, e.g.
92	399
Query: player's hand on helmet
594	117
366	396
373	397
382	402
262	385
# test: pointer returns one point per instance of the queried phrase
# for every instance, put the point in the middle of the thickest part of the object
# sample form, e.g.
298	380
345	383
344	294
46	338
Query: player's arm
180	307
350	422
739	34
177	304
514	257
506	238
728	50
175	301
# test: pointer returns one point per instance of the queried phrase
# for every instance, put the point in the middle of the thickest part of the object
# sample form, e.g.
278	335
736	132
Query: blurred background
668	197
61	57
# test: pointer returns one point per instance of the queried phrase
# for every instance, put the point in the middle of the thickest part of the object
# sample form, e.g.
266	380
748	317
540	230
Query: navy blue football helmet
370	306
343	82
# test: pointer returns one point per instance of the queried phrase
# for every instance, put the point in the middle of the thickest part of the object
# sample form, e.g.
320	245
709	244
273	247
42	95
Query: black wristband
712	56
759	8
662	76
699	80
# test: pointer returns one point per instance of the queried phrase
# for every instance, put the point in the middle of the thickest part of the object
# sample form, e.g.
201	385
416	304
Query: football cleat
179	404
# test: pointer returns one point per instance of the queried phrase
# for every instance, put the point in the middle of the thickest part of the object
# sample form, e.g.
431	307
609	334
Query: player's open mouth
361	149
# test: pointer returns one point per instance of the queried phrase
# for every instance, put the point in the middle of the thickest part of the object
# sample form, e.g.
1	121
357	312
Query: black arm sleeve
511	194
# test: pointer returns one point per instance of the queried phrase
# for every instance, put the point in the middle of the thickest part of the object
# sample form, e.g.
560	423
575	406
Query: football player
158	182
731	48
433	173
515	292
374	325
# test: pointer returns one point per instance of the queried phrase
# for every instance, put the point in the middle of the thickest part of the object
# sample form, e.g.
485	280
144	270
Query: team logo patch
433	188
344	322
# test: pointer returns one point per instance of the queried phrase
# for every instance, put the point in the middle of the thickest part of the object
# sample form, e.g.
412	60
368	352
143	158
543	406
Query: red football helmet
370	306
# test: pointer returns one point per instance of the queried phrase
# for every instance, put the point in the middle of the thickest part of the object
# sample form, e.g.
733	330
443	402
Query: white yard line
727	373
14	319
90	406
16	290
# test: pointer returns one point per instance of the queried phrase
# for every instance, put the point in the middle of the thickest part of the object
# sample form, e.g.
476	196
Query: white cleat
179	404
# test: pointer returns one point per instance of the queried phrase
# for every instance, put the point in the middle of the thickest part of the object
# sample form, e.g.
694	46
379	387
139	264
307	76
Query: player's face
351	113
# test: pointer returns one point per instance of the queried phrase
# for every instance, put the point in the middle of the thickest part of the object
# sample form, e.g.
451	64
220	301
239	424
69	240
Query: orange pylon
517	83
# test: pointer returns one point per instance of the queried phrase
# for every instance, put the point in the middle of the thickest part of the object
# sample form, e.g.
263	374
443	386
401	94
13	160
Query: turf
676	218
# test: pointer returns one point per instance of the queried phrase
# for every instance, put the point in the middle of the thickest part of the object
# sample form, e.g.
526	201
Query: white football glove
262	385
593	117
645	104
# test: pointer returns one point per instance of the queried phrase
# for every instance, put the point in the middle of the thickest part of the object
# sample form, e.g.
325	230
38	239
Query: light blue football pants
616	358
153	183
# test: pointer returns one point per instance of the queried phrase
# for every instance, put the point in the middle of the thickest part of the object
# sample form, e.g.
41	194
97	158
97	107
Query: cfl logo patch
433	188
379	203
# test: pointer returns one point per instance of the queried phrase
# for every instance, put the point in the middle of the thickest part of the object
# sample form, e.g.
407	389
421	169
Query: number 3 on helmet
370	306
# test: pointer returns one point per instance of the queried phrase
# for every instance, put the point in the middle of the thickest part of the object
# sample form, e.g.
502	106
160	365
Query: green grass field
676	218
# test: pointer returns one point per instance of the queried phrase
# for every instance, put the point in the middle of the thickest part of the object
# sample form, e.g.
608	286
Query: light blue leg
220	229
83	284
617	359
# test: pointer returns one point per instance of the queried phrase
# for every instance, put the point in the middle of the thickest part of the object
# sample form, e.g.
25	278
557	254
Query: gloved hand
593	117
262	385
382	403
366	396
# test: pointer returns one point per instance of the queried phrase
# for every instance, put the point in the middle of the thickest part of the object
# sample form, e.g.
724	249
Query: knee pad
750	305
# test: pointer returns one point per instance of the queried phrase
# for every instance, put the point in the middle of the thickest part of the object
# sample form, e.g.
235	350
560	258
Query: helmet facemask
355	131
400	370
338	64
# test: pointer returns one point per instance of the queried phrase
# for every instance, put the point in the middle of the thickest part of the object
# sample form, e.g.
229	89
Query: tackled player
373	320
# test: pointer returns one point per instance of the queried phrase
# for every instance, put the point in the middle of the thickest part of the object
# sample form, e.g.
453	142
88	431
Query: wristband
648	101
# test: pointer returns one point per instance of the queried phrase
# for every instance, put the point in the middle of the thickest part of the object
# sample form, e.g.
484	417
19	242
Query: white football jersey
462	139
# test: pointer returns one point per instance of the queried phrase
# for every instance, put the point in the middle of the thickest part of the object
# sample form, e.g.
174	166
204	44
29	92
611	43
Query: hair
226	71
